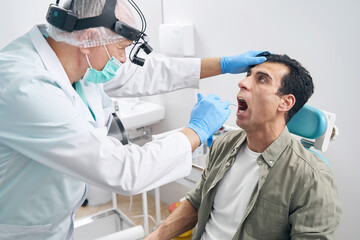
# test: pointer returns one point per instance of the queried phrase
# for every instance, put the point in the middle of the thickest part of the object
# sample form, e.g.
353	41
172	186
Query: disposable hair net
94	36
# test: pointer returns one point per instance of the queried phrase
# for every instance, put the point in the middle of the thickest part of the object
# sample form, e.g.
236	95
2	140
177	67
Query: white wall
322	34
18	16
179	103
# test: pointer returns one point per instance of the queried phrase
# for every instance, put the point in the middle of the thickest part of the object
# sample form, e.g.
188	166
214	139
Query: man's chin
241	123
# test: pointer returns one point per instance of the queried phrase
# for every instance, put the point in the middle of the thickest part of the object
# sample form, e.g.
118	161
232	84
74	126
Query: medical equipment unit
67	20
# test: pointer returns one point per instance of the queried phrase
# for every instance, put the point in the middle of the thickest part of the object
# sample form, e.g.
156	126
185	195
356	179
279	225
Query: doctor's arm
162	74
192	137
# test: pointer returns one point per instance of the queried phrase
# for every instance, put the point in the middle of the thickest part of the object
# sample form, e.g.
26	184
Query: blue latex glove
208	115
241	63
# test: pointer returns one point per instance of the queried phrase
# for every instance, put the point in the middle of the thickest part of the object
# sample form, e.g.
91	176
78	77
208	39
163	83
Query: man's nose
245	83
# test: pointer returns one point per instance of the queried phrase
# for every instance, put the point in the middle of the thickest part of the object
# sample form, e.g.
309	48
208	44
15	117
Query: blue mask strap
78	88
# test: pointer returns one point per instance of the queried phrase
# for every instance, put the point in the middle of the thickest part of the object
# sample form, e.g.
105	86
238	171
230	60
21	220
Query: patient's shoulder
224	144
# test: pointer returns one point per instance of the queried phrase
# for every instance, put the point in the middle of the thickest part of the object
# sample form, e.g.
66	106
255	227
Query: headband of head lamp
68	21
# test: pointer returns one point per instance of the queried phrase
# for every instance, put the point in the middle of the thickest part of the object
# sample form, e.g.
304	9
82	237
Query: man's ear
287	102
88	35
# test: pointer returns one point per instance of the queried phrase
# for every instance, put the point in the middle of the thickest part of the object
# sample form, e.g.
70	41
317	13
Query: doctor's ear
88	35
287	102
84	51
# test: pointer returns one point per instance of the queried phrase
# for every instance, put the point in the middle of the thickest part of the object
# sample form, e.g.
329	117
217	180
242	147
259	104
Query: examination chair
315	128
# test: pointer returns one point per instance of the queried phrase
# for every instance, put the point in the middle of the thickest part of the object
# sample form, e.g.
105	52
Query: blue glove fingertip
259	60
263	54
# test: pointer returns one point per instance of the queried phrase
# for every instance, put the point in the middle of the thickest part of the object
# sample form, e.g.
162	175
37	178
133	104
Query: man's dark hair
297	82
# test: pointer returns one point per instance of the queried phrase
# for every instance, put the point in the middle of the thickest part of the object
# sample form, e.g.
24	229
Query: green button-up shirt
295	197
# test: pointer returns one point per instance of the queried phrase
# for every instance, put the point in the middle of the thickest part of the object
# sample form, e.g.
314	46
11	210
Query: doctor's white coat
50	144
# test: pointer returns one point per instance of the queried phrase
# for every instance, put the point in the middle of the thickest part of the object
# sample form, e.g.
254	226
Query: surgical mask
104	75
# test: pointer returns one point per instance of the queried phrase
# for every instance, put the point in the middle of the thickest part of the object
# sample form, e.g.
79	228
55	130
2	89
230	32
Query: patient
260	183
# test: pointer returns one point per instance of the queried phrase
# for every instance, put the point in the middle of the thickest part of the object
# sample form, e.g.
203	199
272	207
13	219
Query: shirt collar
240	141
274	151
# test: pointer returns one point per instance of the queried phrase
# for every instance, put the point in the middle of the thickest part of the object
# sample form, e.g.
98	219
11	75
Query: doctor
55	112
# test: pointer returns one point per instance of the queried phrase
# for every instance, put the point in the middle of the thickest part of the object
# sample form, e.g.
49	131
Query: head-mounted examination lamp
68	21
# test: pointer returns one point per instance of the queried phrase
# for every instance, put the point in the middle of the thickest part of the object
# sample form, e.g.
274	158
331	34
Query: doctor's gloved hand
241	63
208	115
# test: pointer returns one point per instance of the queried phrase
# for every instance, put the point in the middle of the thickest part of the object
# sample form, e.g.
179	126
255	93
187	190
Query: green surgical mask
104	75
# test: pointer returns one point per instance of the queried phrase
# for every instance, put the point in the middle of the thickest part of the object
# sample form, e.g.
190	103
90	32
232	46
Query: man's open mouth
242	105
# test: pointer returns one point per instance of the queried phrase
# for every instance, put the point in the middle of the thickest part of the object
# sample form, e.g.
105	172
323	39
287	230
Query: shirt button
271	162
228	164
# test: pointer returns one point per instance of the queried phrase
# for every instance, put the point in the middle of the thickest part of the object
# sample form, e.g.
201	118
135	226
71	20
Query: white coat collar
49	58
54	66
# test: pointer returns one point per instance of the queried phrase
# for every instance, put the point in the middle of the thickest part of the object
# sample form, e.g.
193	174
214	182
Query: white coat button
227	164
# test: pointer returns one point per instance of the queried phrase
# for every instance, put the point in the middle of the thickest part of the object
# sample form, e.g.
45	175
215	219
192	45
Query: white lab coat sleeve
39	121
158	75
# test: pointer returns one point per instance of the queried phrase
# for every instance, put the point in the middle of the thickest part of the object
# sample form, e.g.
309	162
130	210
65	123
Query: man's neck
258	141
68	56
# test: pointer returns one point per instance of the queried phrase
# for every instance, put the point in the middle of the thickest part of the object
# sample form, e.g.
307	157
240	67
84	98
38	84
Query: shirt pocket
23	232
267	221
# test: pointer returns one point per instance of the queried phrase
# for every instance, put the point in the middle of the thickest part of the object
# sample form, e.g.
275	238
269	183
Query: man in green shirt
260	182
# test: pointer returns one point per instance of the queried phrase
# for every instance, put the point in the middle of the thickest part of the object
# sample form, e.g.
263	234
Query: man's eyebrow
265	74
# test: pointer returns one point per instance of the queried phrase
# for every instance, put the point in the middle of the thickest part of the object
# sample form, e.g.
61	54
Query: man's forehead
274	69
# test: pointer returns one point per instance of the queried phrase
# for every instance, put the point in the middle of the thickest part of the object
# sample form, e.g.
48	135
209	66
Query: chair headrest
308	122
